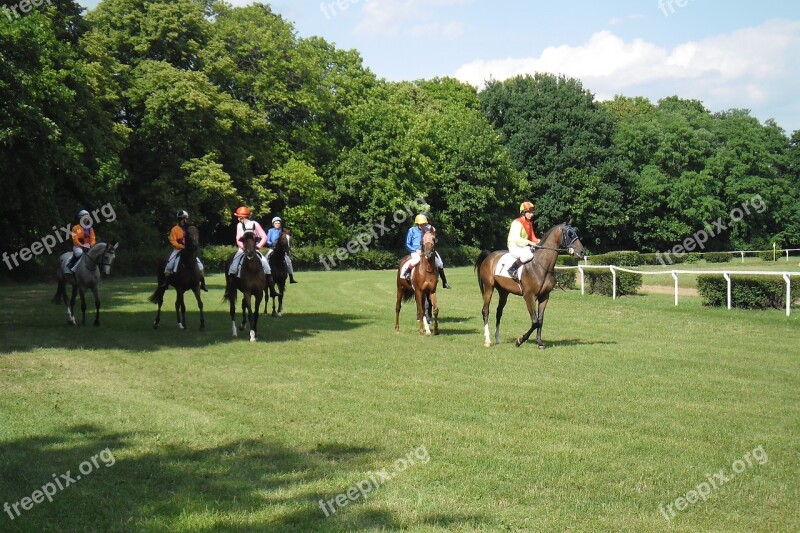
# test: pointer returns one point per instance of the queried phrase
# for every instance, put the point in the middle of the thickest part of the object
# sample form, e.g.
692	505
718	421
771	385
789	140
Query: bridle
109	251
568	237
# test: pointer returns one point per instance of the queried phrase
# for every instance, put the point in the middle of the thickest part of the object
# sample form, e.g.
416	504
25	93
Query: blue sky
732	54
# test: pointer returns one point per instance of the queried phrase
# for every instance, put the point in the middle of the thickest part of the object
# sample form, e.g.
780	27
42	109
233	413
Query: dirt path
662	289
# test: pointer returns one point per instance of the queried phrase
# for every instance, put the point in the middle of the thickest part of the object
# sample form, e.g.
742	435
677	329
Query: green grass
633	404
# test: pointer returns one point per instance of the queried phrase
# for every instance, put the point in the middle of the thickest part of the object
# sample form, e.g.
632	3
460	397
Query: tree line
158	105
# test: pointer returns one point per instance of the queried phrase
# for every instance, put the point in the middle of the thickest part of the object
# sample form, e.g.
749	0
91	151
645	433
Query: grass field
633	404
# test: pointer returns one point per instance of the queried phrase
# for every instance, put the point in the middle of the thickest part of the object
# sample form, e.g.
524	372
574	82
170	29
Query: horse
252	281
185	278
424	280
277	263
86	276
537	279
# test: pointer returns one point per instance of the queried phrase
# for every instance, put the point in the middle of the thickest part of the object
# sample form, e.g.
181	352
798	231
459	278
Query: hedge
747	292
565	279
601	282
717	257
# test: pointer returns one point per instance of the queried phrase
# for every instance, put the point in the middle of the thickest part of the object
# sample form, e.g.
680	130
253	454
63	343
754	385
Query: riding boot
444	279
203	284
407	275
71	263
512	270
291	278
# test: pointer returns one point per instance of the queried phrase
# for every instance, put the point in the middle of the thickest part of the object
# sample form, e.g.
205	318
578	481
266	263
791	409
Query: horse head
570	241
249	242
284	243
192	239
428	245
106	252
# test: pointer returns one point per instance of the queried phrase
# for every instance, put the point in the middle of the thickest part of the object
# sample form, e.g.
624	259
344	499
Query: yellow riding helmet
525	206
421	219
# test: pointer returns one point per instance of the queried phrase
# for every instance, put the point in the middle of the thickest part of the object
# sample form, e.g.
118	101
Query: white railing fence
725	273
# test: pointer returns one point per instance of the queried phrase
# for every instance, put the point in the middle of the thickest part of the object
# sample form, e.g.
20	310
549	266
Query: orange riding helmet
525	206
243	212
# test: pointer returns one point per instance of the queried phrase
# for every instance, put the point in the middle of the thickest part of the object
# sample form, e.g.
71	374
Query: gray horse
86	276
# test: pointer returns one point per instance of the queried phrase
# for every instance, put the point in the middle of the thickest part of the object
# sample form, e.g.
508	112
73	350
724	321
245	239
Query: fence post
787	279
742	257
787	255
675	277
614	282
727	277
580	269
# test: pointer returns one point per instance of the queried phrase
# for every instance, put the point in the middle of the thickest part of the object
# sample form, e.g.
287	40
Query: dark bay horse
86	276
185	278
280	272
537	279
423	284
252	281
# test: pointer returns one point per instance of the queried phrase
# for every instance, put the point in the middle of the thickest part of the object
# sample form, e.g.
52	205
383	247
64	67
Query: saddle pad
503	264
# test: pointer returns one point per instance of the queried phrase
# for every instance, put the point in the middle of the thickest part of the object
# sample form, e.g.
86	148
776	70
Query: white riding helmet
276	219
182	214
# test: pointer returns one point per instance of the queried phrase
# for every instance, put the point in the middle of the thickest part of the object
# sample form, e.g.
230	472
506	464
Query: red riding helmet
243	212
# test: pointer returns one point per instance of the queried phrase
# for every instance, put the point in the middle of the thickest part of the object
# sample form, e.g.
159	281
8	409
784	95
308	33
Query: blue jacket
272	236
414	239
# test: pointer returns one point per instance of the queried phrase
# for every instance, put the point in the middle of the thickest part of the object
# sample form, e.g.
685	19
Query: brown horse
185	278
537	279
251	281
424	280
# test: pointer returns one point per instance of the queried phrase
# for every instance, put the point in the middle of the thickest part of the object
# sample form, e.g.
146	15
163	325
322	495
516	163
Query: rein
102	260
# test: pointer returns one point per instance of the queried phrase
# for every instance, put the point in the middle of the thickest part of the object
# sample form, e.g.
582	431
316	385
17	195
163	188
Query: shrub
214	257
747	292
693	257
138	262
601	282
767	255
459	255
565	279
717	257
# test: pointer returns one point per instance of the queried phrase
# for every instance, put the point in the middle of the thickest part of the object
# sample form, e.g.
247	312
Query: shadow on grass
244	485
28	321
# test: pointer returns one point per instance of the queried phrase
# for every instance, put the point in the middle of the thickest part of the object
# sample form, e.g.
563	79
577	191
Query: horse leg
244	310
71	307
530	300
82	292
503	299
488	290
254	323
196	291
232	302
542	306
280	298
435	310
398	304
180	309
96	294
424	327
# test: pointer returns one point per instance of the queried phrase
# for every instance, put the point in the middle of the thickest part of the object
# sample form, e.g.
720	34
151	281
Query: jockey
521	238
246	225
177	238
439	262
83	238
414	244
273	235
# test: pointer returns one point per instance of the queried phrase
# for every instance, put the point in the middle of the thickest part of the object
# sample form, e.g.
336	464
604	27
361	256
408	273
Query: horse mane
548	232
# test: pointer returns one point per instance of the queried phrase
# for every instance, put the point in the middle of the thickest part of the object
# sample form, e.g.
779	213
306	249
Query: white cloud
740	68
391	17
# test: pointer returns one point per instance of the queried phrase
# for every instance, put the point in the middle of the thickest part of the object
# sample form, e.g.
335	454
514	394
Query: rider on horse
414	247
273	235
439	262
83	238
177	238
244	226
521	238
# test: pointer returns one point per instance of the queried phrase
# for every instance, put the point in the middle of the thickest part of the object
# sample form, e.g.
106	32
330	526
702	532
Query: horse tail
407	294
230	292
157	296
478	262
61	292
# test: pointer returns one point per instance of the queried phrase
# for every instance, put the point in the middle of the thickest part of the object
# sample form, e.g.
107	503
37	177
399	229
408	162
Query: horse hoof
487	344
517	343
541	346
155	326
202	326
280	314
252	336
